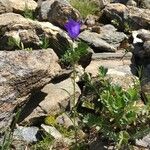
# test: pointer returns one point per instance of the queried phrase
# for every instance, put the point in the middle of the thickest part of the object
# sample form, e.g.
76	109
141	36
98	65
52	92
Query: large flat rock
21	72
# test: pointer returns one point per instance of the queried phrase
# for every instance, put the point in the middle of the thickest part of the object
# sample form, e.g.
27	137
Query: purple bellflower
73	28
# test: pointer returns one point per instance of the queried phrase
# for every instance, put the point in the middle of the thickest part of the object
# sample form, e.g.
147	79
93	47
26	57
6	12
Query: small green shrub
16	42
85	7
44	42
119	114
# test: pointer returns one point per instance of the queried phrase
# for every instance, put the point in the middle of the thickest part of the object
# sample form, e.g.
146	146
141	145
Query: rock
141	41
27	134
57	12
143	34
127	2
20	5
31	33
146	4
20	73
135	38
116	12
107	41
91	20
52	131
133	17
144	142
132	3
145	81
64	120
57	98
5	6
139	18
119	70
95	42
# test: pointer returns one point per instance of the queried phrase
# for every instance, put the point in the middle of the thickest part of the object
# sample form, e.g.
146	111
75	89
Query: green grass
85	7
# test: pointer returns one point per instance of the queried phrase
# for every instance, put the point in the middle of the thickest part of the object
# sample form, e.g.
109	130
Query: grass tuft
85	7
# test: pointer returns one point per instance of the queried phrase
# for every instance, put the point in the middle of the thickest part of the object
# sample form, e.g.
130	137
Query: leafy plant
85	7
44	144
44	42
119	114
28	13
73	55
16	42
7	140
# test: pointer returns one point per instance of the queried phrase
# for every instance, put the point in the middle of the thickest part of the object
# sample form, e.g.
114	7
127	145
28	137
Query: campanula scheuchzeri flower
73	28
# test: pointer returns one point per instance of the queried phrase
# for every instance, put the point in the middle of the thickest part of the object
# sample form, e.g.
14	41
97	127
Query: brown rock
21	5
5	6
140	18
30	33
57	98
20	73
134	17
57	12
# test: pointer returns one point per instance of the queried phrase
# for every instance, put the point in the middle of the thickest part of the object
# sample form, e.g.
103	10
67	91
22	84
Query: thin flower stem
74	103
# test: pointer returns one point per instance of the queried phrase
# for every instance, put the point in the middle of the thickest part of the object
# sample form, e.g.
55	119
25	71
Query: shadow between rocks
33	102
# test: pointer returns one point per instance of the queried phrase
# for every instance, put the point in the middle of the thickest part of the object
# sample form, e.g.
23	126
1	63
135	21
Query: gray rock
5	6
27	134
94	40
57	12
20	73
144	142
108	40
110	34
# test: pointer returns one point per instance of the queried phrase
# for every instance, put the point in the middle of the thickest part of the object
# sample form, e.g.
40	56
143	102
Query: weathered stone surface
52	131
145	81
94	40
21	5
108	40
30	33
146	3
57	12
135	17
57	98
20	73
139	18
126	2
27	134
58	95
5	6
64	120
117	12
119	70
141	41
145	142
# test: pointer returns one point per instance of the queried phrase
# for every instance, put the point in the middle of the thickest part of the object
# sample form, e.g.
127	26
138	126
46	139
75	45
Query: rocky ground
31	75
